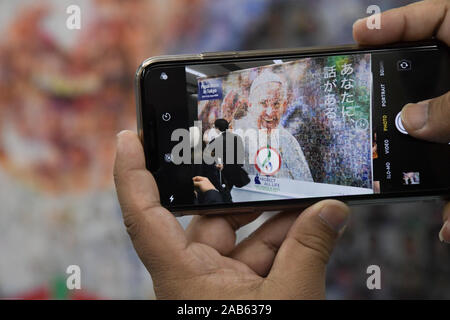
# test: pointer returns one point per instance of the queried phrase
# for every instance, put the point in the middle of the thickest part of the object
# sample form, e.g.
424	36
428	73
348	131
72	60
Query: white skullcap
265	77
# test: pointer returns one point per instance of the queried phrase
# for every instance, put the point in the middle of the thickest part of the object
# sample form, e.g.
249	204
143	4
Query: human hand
203	184
428	119
285	258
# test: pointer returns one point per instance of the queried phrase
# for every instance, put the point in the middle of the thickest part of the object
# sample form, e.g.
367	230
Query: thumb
156	234
429	119
300	264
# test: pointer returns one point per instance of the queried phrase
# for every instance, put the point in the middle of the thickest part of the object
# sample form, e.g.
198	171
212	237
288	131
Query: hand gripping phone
232	132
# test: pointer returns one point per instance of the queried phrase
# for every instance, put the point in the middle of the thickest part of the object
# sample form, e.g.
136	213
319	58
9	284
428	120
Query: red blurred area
60	108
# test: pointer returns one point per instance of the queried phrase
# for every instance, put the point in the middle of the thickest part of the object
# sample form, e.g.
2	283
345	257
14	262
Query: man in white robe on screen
271	149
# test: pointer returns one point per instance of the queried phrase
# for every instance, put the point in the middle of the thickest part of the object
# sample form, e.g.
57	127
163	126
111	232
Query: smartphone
280	129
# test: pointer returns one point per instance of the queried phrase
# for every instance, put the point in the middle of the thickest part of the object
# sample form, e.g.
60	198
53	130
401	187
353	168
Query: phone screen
292	127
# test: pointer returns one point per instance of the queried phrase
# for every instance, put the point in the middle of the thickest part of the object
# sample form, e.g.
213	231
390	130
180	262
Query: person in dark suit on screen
227	149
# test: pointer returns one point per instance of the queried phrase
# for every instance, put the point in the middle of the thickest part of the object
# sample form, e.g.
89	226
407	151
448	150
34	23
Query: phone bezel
235	56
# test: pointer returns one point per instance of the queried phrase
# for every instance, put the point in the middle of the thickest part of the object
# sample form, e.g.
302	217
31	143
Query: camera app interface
294	128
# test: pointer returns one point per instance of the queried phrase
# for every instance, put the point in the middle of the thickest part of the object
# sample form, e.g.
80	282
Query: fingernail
121	132
446	229
358	21
415	115
335	217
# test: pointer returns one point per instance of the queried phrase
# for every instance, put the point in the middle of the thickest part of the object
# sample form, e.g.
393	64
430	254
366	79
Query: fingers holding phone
428	119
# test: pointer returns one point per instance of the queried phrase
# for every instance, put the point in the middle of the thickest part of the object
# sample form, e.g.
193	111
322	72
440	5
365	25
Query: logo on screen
210	89
267	161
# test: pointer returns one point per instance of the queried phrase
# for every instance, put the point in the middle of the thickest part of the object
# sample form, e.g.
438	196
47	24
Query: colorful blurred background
64	94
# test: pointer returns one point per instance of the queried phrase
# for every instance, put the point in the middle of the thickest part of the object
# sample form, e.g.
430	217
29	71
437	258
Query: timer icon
166	116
